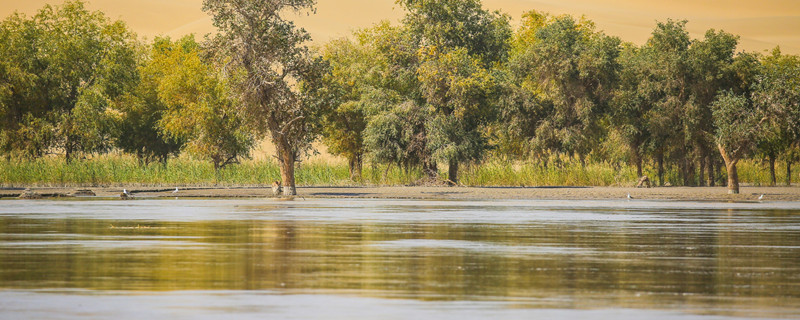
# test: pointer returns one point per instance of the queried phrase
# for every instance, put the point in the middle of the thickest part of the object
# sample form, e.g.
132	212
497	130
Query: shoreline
747	193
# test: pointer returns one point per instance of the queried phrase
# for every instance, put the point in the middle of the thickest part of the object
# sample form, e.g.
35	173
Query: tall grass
115	170
756	173
119	170
498	173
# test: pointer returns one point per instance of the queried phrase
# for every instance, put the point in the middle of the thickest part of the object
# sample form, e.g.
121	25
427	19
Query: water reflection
723	259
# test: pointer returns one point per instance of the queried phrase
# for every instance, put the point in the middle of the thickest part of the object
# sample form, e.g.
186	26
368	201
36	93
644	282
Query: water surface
399	259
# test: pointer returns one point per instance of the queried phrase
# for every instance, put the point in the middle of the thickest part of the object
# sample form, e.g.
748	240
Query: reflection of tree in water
556	264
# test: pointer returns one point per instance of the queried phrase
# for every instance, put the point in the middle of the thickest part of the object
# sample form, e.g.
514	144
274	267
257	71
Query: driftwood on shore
277	189
644	182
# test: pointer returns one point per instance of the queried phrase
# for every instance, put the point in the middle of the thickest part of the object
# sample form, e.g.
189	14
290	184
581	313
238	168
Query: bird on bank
629	197
176	190
761	197
124	195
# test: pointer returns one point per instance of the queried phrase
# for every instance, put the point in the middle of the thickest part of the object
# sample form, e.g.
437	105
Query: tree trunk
711	179
682	170
452	172
788	173
701	181
660	164
774	180
429	169
355	164
733	178
730	165
638	161
687	170
68	151
286	159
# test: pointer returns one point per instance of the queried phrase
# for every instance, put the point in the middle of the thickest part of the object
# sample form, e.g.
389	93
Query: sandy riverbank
448	193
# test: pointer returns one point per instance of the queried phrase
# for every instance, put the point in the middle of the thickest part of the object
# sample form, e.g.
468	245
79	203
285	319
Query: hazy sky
762	24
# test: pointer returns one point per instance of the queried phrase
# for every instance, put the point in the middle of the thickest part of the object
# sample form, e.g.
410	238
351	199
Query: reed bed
498	173
119	170
756	173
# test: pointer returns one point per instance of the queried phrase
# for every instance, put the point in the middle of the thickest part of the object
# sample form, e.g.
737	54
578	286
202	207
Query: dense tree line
452	84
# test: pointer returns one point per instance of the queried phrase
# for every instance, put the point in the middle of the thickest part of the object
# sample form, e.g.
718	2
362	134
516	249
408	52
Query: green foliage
459	42
65	65
395	109
630	104
445	24
141	110
345	123
460	93
737	124
199	107
276	78
398	136
569	71
665	79
777	90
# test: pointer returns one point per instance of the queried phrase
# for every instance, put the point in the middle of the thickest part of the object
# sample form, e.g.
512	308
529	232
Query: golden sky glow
761	24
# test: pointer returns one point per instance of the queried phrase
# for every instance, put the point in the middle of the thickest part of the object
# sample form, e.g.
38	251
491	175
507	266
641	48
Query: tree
777	90
460	92
275	75
665	87
343	132
66	66
22	106
574	70
199	108
711	63
631	103
737	124
460	42
770	144
393	103
447	24
141	111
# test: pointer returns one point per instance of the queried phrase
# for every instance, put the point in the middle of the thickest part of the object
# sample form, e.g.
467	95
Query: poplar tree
275	74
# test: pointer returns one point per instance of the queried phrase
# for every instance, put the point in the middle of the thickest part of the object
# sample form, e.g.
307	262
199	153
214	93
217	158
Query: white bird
125	191
761	197
176	190
629	196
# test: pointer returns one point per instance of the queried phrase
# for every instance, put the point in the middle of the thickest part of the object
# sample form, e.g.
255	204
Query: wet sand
442	193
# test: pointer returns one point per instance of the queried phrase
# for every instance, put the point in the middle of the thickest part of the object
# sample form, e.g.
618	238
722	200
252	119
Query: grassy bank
125	170
122	170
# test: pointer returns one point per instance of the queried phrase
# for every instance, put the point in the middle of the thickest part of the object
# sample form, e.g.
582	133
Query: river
398	259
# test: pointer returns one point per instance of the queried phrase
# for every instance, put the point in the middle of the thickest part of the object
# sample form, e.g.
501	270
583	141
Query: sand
747	193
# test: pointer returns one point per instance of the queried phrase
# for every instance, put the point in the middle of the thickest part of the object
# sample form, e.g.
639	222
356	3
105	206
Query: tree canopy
451	85
273	72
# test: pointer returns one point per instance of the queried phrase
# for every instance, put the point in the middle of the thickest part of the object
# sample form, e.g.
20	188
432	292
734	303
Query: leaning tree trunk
452	171
730	165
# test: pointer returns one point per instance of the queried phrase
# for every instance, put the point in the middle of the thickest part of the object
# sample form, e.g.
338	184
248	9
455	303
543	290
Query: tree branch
288	125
